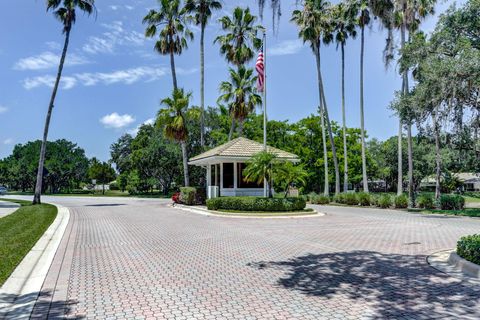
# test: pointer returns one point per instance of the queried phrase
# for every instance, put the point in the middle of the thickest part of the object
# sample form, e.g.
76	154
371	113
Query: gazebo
225	165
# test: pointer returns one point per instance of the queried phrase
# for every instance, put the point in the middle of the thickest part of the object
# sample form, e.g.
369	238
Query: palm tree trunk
400	159
43	148
330	132
362	116
326	187
437	154
185	163
240	127
345	155
172	66
232	129
202	86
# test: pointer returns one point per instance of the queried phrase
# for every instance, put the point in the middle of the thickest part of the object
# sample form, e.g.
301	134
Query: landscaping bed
256	204
19	232
468	247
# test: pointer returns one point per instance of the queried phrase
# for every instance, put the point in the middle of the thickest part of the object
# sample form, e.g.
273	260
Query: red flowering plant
176	197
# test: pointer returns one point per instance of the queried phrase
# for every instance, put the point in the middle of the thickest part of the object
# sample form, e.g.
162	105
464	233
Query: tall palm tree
344	23
240	41
314	22
173	121
65	12
405	16
240	95
170	21
202	10
363	11
276	12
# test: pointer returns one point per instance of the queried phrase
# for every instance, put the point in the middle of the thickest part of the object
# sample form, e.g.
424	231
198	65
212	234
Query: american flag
260	67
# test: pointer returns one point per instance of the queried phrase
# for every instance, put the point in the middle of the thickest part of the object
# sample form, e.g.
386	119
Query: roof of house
465	177
242	148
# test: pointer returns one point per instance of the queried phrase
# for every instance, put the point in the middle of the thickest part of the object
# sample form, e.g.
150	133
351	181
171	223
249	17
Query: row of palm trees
318	22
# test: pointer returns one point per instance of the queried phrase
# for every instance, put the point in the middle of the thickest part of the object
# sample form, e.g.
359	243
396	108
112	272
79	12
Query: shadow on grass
394	285
45	307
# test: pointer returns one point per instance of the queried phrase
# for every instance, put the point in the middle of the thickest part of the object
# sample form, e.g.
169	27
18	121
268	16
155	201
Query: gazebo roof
240	149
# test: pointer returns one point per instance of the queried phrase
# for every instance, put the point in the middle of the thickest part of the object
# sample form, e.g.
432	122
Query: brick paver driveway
142	259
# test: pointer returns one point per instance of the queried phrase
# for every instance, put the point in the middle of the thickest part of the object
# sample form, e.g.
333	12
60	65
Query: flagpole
265	182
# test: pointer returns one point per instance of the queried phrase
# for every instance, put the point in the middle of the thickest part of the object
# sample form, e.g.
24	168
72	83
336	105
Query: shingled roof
242	148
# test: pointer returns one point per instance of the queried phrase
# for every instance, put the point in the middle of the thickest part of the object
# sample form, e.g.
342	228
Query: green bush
339	198
364	199
468	247
425	201
384	201
452	202
256	204
401	201
319	199
351	198
191	195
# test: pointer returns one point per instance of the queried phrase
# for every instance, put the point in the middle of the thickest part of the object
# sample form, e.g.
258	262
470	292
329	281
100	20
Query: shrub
256	204
339	198
384	201
401	201
351	198
452	202
191	195
364	199
468	247
319	199
425	201
311	195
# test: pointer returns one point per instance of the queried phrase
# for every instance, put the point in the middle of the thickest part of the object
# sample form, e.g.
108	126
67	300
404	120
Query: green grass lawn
20	231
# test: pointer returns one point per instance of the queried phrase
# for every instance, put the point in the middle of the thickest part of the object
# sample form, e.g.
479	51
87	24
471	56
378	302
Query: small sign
94	181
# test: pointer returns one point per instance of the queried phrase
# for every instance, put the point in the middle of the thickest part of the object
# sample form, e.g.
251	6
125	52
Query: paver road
140	259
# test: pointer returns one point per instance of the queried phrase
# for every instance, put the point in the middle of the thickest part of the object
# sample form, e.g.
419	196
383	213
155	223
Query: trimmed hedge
364	199
256	204
452	202
468	247
191	195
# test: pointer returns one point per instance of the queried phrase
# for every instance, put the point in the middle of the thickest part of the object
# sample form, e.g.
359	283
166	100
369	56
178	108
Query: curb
20	292
450	263
208	213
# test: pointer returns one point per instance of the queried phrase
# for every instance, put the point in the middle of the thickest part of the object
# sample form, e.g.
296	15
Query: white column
209	175
221	175
235	183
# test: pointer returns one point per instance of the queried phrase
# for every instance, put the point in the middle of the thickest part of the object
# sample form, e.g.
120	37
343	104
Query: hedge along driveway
20	231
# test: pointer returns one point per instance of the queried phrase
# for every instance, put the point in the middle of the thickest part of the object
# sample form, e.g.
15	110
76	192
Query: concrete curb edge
27	279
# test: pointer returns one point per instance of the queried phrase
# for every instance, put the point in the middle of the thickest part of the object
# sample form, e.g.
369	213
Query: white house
225	165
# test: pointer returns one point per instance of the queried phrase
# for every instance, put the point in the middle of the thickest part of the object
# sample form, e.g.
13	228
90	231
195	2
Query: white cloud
8	141
286	47
47	60
66	82
114	8
115	36
127	77
3	109
116	121
52	45
134	131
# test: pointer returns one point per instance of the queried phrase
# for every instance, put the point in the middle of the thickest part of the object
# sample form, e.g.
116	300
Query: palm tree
173	34
362	9
314	22
240	41
276	12
260	168
240	95
65	12
173	121
287	173
202	10
344	22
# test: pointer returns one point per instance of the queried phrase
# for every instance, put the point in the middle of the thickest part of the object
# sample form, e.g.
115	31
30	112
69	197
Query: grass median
20	231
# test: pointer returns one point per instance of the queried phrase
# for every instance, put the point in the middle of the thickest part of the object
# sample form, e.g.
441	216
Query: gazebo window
241	180
228	175
215	174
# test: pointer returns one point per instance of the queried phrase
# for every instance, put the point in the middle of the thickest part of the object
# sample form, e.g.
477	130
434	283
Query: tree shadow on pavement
393	285
44	307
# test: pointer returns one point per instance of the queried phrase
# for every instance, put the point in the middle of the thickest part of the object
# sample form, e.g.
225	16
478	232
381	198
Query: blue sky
113	80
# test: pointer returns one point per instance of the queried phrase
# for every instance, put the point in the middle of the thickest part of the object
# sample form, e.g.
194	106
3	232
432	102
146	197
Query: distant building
470	181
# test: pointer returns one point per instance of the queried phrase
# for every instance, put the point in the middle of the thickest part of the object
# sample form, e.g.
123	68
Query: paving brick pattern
143	260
